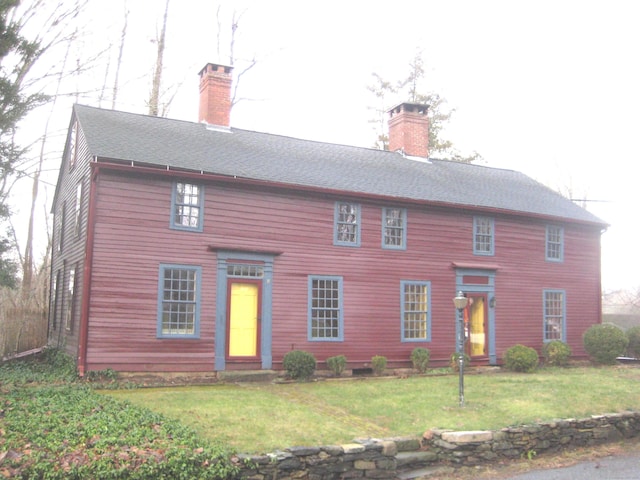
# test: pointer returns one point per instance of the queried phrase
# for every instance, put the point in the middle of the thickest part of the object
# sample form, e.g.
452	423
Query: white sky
549	88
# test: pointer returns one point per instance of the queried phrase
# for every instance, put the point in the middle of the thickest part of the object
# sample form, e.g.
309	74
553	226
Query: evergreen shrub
420	357
521	358
378	363
633	349
605	342
556	353
337	364
299	364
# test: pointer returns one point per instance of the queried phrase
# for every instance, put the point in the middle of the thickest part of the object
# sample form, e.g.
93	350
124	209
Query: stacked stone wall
389	458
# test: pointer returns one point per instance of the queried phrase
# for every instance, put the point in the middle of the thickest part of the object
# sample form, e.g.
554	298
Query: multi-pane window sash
242	270
325	308
347	224
63	215
555	243
394	228
55	289
78	208
554	315
415	311
187	206
70	299
73	145
483	236
179	301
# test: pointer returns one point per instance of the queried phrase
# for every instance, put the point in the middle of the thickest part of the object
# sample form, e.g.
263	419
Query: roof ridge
314	164
231	128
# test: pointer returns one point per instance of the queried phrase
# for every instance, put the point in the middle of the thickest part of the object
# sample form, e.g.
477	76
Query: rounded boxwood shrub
521	358
378	363
556	353
633	349
420	357
605	342
337	364
299	364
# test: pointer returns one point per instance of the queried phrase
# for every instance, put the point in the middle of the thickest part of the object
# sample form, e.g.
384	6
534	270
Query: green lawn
255	418
54	425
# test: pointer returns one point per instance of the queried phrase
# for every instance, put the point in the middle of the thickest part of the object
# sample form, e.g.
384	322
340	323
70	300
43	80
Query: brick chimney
215	94
409	129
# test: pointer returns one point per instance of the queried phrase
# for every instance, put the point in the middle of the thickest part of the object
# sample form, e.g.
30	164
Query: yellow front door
477	333
243	320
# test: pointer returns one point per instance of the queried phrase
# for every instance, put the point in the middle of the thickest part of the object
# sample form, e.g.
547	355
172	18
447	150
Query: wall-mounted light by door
492	302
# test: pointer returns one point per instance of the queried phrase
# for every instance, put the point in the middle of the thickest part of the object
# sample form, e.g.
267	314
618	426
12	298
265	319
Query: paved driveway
619	467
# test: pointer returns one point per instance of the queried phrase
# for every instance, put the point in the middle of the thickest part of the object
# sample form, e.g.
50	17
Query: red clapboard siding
72	254
132	238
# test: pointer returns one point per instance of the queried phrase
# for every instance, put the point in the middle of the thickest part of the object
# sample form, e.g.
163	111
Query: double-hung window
55	298
78	211
73	145
71	301
415	311
394	228
483	236
179	301
555	243
325	308
62	218
554	315
347	224
187	206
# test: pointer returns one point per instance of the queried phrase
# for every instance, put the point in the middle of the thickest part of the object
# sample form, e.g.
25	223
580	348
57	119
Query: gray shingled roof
273	158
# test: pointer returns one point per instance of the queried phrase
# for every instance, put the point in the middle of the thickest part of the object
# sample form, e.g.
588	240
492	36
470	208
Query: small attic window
72	150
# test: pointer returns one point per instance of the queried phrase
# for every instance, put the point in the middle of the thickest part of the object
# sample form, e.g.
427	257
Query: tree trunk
154	100
119	64
27	263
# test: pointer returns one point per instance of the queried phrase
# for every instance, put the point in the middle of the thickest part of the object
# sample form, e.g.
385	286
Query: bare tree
27	262
235	21
103	90
233	60
160	98
123	36
218	31
154	99
30	32
107	70
380	89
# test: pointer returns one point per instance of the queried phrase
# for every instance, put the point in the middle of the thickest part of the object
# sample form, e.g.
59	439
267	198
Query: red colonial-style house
198	247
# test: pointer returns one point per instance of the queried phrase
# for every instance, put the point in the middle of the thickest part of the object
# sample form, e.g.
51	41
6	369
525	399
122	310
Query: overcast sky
549	88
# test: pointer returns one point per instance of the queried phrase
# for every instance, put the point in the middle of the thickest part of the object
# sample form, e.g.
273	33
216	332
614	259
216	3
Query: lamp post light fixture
460	302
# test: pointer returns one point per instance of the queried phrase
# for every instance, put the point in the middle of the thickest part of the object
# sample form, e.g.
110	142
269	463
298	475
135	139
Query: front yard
54	426
258	418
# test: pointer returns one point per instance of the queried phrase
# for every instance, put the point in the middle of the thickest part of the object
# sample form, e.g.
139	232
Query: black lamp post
460	301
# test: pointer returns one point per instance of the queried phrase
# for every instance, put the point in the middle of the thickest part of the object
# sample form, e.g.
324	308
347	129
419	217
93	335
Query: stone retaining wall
388	458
